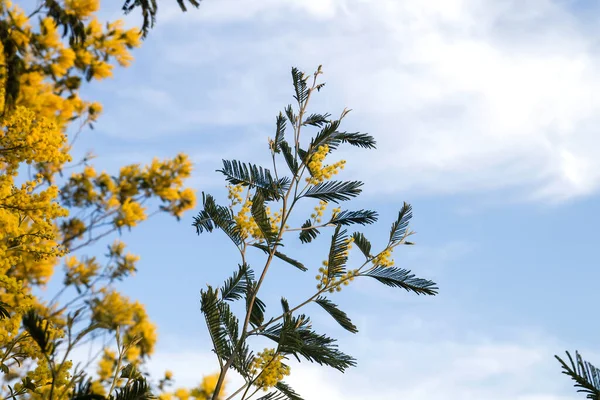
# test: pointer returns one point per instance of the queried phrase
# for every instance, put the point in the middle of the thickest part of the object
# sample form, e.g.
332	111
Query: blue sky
486	116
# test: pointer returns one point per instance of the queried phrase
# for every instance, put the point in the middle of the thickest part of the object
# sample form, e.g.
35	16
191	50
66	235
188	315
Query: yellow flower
80	272
384	259
131	214
102	70
107	364
89	172
320	172
82	8
268	364
182	394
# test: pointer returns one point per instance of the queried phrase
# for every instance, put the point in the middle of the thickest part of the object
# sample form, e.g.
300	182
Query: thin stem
284	217
119	360
37	10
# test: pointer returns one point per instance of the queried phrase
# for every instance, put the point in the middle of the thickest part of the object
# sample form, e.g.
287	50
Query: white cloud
462	95
409	365
408	359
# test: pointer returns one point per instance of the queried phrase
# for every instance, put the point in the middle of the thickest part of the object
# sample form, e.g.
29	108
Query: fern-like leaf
239	173
363	244
209	305
285	305
83	391
281	256
230	323
4	310
330	136
317	120
337	253
585	375
288	156
216	216
337	314
38	329
295	337
307	234
279	132
137	390
356	139
402	278
289	112
287	391
362	217
243	360
195	3
399	227
303	155
235	287
257	314
259	213
149	8
325	136
273	396
300	86
334	191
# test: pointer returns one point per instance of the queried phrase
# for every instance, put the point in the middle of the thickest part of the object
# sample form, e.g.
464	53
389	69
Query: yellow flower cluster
246	222
35	231
244	218
113	309
54	68
165	179
203	391
123	264
82	8
28	238
107	364
273	370
130	214
275	219
72	229
235	194
182	394
116	249
122	194
23	347
319	210
320	172
13	293
335	284
30	138
384	259
207	387
42	378
97	388
80	272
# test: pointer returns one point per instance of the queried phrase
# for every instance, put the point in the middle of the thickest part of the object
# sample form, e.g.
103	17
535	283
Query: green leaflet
402	278
337	314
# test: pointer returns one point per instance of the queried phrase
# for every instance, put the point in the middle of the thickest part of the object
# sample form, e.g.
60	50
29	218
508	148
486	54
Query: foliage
585	375
301	171
68	15
52	208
